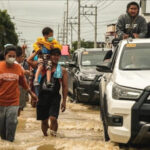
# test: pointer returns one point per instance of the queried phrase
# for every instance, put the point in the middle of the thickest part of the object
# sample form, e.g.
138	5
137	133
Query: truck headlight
119	92
87	77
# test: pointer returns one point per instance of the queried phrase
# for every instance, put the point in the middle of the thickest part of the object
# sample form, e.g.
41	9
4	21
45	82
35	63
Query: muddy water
79	129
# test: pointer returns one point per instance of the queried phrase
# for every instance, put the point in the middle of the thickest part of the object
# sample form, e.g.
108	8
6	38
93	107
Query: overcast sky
30	16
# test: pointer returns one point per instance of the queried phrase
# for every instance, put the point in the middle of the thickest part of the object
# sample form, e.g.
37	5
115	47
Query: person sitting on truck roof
131	24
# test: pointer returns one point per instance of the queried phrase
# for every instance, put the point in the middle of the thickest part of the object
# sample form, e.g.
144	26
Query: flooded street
79	129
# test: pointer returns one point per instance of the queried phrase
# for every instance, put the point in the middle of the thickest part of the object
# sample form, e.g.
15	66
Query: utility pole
64	28
67	21
146	15
71	34
95	41
61	36
79	39
71	25
85	14
58	34
143	6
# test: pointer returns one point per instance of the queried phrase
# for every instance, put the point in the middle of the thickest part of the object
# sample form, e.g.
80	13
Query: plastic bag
58	72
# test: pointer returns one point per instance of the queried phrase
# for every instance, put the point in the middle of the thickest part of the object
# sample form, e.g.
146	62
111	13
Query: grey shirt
126	25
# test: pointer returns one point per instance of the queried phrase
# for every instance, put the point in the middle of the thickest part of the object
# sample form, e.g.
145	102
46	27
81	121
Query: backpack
148	30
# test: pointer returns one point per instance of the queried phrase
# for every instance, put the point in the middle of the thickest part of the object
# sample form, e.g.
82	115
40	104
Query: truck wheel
75	95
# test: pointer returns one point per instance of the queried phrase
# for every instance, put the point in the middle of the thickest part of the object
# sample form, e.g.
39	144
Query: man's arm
24	84
143	29
30	60
33	95
64	89
120	27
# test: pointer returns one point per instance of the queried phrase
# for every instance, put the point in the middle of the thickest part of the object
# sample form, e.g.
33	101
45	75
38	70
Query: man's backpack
148	30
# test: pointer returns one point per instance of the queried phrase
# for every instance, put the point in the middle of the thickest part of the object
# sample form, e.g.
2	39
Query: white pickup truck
125	93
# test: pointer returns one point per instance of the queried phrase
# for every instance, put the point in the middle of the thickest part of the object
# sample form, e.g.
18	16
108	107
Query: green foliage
84	44
7	30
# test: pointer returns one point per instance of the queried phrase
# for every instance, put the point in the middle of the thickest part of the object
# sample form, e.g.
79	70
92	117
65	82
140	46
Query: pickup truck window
135	57
92	58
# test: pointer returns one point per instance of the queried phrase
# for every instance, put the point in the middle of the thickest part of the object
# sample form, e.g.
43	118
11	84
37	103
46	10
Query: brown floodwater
80	128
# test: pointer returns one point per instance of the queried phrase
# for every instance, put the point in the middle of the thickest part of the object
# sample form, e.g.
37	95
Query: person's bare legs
44	126
53	125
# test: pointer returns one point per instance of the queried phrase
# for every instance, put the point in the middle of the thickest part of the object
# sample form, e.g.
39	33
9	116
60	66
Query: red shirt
10	79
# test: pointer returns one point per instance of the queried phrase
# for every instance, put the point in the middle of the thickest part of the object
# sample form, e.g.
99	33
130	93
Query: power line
112	1
34	21
31	22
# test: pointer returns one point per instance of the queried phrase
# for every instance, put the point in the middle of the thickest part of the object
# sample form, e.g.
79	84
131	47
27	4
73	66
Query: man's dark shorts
48	105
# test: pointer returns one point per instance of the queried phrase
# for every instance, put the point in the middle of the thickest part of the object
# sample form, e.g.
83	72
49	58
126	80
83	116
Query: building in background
110	35
143	10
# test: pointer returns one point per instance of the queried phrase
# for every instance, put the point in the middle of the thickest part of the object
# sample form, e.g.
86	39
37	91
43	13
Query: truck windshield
92	58
135	57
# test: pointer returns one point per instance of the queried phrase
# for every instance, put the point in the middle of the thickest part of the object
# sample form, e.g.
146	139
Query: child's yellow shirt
42	41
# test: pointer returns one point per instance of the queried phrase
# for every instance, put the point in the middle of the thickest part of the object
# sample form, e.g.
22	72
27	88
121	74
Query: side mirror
104	67
115	42
108	55
72	64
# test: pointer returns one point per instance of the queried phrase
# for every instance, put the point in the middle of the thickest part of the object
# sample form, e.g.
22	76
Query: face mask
50	39
10	60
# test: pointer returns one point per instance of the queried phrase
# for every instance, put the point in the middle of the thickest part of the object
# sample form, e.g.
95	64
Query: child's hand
52	46
40	45
40	61
37	52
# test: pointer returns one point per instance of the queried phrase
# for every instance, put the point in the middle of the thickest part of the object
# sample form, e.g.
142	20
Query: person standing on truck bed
131	24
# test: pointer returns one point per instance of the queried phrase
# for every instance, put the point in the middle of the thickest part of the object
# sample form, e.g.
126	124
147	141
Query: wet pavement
80	128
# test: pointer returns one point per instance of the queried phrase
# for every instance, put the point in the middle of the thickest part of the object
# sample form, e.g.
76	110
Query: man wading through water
49	97
131	24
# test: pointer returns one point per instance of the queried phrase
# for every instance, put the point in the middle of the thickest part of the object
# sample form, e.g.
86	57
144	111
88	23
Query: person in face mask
23	92
42	48
131	24
11	76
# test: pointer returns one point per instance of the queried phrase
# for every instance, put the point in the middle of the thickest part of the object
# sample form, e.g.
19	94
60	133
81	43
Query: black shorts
47	106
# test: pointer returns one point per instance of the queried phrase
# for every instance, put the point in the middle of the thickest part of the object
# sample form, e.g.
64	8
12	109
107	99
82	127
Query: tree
7	30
